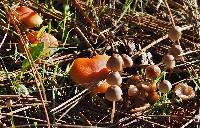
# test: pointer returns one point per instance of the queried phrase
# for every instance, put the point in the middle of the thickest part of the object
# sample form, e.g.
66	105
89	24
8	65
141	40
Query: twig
86	120
56	125
87	42
170	13
189	122
69	104
18	105
5	36
151	122
67	111
73	98
150	45
187	79
30	118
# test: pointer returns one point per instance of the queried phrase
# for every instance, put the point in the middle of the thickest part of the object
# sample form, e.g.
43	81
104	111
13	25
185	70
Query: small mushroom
132	91
169	61
27	16
184	91
154	97
152	71
113	93
50	43
114	78
176	51
175	33
147	86
87	70
9	103
135	79
128	62
115	63
165	86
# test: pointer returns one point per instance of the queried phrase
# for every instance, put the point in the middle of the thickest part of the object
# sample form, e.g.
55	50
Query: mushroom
50	43
27	16
135	79
169	61
165	86
87	70
132	91
152	71
154	96
9	103
115	63
114	78
128	62
176	51
113	93
102	87
175	33
184	91
147	86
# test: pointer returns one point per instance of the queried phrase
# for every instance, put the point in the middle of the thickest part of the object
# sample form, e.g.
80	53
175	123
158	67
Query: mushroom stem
113	112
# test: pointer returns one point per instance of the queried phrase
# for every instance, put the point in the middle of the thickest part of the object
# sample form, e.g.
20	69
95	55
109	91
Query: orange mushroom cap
86	70
102	88
50	43
27	16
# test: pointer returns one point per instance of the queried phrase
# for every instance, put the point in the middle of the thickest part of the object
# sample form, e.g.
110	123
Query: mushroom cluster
106	72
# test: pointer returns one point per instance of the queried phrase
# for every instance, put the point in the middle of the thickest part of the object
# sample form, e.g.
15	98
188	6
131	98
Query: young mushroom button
115	63
114	78
152	71
175	33
165	86
128	62
113	93
176	51
50	43
169	61
132	91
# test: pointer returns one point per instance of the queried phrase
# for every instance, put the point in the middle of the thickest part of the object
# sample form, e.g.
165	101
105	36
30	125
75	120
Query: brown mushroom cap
128	62
184	91
147	86
176	51
113	93
169	61
114	78
154	97
132	90
175	33
135	79
115	63
165	86
152	71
